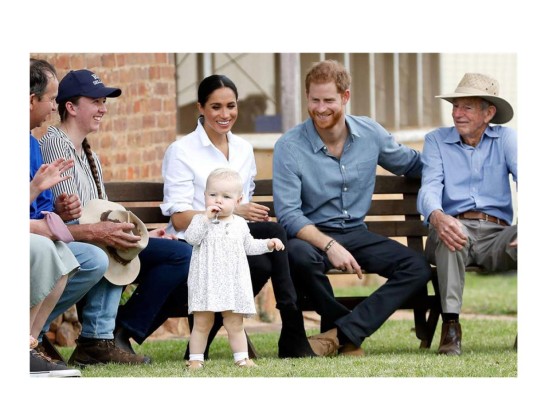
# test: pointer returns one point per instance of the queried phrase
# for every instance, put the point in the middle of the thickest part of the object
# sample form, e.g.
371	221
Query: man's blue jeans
102	298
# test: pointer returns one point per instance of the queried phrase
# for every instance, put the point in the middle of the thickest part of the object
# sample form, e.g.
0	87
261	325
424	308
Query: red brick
120	59
155	105
149	121
162	58
154	72
93	61
142	120
78	62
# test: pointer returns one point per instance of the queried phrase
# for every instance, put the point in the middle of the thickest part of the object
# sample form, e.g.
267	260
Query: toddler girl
219	275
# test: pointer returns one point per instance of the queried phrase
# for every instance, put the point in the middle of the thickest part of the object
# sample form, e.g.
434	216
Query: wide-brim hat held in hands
124	264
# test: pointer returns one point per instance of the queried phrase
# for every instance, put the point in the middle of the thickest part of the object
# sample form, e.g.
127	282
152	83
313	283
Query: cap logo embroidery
97	80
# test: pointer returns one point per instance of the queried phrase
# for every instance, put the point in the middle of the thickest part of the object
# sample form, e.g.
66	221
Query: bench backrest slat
149	215
394	208
396	184
128	192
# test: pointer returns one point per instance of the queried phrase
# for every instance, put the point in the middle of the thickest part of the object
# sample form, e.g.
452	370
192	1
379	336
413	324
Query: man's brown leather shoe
325	344
450	338
102	351
351	350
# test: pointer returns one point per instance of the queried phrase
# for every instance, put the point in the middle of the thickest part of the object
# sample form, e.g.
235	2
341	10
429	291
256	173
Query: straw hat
486	87
124	265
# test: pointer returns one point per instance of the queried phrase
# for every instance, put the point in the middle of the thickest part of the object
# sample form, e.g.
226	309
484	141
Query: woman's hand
253	212
162	234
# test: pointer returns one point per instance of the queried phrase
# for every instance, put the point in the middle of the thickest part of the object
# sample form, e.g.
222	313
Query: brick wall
141	123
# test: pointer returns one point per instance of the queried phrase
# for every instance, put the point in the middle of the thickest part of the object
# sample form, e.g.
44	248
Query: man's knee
420	264
179	252
422	268
96	263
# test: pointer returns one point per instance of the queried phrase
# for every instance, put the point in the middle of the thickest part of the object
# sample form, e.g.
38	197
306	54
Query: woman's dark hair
92	164
40	72
62	107
212	83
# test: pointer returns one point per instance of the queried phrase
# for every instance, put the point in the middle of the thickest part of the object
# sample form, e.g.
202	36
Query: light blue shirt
458	177
312	187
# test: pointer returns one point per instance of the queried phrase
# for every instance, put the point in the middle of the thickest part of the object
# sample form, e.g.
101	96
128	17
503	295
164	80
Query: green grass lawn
391	352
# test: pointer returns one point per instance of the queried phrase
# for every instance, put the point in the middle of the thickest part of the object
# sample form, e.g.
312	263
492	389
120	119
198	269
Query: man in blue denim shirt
323	181
466	195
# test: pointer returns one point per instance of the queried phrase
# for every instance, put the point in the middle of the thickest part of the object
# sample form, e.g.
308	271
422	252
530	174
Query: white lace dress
219	275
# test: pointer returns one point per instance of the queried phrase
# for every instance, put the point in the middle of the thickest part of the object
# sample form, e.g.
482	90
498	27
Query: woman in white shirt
188	162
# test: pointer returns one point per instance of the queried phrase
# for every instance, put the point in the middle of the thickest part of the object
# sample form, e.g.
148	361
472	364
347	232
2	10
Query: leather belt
477	215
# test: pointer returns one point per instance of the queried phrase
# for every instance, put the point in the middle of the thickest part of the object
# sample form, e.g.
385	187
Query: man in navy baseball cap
84	83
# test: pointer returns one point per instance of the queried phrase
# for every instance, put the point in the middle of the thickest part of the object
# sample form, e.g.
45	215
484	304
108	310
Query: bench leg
51	350
433	319
252	352
421	327
435	309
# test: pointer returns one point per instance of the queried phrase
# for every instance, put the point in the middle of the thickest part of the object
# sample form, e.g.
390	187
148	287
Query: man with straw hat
466	194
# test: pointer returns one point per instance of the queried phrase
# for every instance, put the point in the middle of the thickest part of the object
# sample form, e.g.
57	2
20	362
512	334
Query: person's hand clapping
49	175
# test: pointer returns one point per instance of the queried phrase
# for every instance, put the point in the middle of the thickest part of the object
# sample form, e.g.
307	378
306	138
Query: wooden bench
393	214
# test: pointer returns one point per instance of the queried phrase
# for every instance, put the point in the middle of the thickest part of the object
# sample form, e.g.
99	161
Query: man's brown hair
328	71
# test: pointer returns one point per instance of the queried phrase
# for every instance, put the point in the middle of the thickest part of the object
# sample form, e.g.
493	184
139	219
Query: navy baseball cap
84	83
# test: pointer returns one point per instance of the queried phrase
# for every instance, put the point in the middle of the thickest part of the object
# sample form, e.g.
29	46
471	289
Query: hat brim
504	110
97	93
92	211
122	275
103	92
